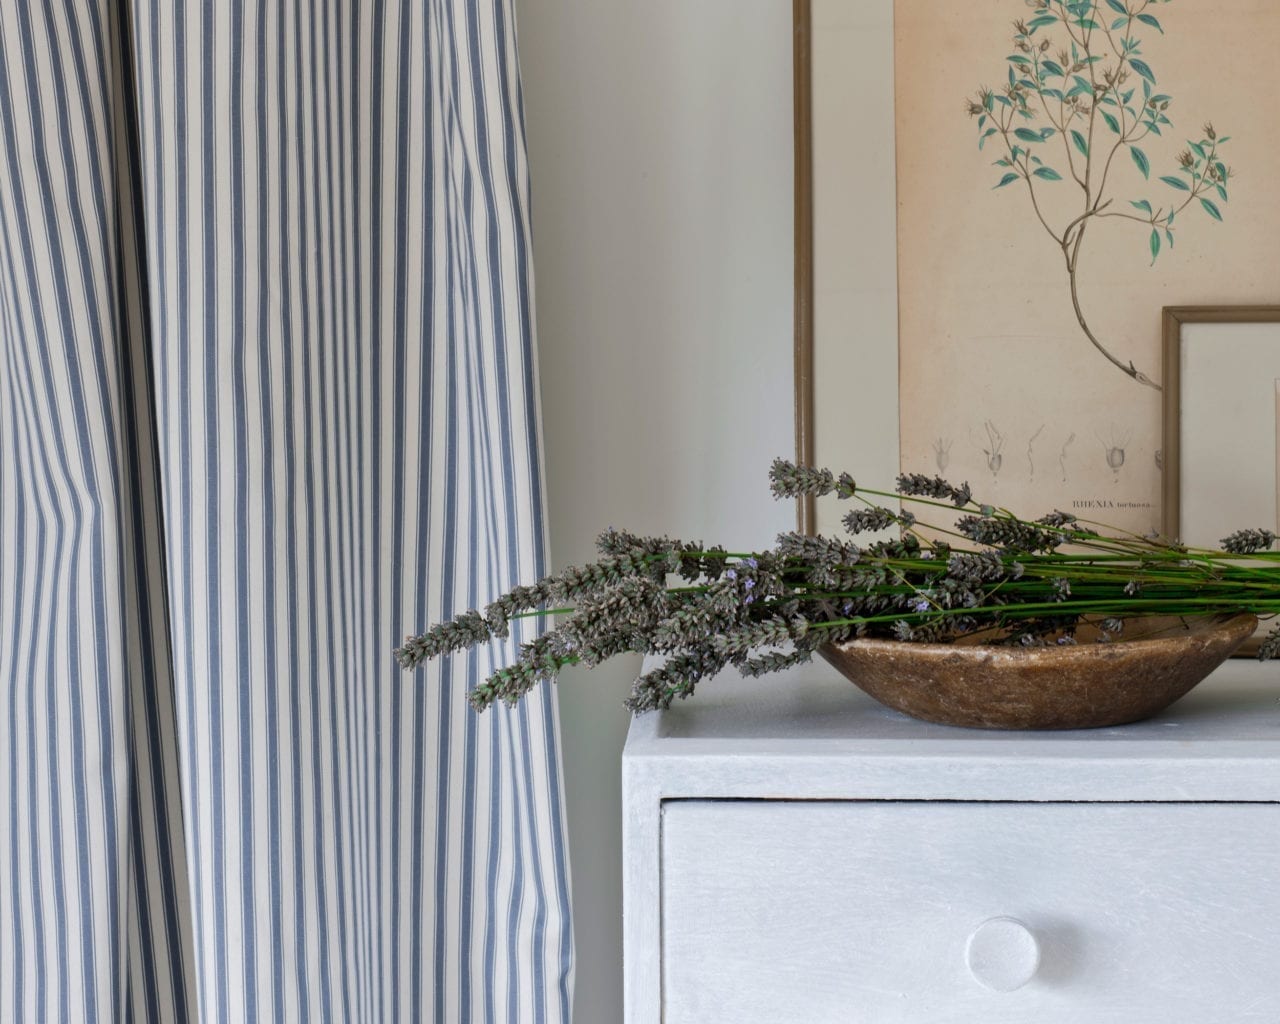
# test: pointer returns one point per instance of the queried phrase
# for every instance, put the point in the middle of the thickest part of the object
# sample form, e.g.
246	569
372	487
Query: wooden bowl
1084	686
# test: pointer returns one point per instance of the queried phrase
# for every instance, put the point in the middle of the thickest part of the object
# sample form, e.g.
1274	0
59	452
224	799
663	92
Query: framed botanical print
1221	372
999	199
1221	438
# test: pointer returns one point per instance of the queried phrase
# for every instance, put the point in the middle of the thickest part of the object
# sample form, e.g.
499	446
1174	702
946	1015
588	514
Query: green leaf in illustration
1117	6
1112	123
1150	19
1222	192
1143	69
986	135
1054	68
1197	149
1008	179
1155	246
1169	235
1140	158
1211	209
1042	21
1119	23
1047	173
1027	135
1080	142
1144	206
1177	183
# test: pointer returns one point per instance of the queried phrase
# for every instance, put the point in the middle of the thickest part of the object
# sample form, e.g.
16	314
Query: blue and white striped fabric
268	403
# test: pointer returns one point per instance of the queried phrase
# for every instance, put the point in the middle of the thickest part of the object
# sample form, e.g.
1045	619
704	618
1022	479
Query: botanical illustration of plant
1078	92
993	450
942	450
1062	455
1031	453
1114	446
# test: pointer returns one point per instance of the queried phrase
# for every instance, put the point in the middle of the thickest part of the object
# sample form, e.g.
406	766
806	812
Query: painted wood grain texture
783	911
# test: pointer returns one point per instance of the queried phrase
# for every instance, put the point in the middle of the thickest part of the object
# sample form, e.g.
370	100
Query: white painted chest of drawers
796	853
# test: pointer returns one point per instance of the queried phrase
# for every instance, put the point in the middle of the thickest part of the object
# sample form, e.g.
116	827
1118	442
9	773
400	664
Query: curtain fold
268	403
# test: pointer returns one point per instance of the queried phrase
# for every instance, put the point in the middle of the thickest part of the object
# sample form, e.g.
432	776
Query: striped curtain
268	403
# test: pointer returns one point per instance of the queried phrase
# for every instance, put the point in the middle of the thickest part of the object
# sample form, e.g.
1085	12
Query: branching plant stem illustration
1085	86
1031	445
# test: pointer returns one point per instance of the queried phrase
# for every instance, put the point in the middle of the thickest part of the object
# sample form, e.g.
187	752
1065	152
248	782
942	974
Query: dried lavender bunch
989	576
1246	542
869	520
693	560
920	486
792	481
467	630
1270	648
1009	534
979	567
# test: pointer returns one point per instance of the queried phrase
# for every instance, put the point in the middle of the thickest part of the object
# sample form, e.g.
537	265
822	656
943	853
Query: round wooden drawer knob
1002	954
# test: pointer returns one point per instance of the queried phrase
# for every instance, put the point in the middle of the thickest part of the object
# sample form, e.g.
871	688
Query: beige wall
660	139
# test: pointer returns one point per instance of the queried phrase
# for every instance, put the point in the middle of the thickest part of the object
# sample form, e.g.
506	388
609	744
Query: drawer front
776	911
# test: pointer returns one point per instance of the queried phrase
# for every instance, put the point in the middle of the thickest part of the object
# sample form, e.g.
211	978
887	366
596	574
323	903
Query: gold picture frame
801	15
1175	321
845	256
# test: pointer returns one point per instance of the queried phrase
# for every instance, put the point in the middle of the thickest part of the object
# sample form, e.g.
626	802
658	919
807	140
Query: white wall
660	147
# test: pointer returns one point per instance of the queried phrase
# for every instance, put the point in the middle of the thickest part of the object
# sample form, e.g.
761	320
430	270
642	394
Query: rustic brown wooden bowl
1085	686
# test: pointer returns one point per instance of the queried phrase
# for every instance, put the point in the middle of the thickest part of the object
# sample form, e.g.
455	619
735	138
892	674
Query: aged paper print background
998	385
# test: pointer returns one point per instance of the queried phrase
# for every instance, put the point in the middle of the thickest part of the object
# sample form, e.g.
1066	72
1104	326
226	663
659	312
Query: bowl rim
1222	621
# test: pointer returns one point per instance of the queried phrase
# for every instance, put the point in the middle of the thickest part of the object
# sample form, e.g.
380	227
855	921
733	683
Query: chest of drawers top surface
810	734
